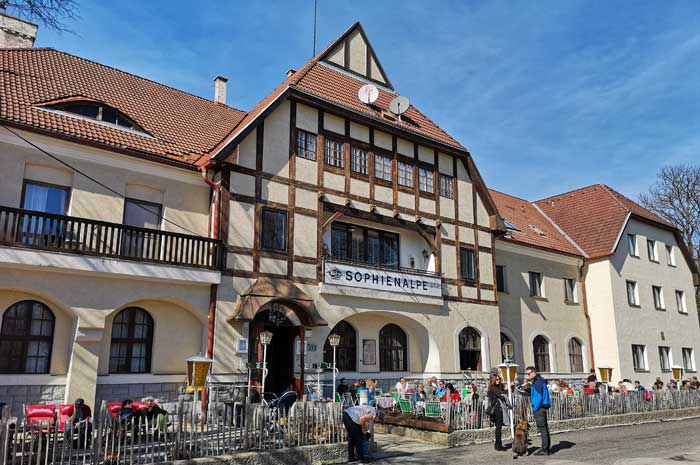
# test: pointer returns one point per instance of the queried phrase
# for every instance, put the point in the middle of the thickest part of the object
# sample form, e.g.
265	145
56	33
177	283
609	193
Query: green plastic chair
433	410
337	397
378	392
405	406
396	396
464	393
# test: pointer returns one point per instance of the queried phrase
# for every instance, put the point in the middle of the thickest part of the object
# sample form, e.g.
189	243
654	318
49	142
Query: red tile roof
526	217
180	126
594	216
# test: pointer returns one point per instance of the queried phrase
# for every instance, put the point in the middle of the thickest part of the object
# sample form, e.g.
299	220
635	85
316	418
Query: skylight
510	225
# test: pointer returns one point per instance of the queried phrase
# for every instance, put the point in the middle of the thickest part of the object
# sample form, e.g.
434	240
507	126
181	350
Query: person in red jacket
451	394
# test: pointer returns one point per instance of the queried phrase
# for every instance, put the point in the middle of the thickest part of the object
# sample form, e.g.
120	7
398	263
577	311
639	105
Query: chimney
16	33
290	72
220	89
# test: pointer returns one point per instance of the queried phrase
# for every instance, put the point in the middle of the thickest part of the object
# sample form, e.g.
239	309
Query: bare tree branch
51	13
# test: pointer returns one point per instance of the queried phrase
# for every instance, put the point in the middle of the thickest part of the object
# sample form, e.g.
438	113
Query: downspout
214	233
584	272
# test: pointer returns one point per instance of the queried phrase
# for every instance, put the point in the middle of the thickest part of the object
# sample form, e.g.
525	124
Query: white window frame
405	174
426	180
680	301
446	186
665	356
540	282
358	160
333	153
635	293
690	358
644	360
659	303
632	246
382	167
670	255
574	290
652	251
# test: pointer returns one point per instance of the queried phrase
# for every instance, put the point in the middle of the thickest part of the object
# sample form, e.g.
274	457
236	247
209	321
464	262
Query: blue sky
547	96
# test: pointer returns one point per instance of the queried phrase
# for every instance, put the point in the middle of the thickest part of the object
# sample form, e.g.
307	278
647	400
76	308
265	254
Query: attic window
510	225
99	112
537	230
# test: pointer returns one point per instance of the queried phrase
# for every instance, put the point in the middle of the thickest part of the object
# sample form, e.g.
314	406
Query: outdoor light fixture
425	254
265	339
334	341
508	373
677	372
198	368
605	373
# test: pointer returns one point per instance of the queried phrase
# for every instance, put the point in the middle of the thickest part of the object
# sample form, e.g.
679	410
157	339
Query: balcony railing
59	233
376	266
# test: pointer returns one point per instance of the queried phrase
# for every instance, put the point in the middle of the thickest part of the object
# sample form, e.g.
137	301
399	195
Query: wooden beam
335	216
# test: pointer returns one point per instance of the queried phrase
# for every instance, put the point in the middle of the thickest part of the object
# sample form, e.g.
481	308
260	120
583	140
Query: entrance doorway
280	351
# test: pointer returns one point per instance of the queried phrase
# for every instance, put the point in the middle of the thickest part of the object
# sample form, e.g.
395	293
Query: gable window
658	297
540	347
570	291
274	230
425	180
576	355
405	174
670	256
446	186
639	357
501	278
99	112
632	294
360	244
467	258
688	359
382	167
651	249
632	245
132	341
26	337
665	358
306	145
334	153
536	288
680	301
358	160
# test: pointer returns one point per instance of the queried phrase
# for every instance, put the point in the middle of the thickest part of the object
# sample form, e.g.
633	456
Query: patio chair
433	409
42	414
405	406
378	392
396	396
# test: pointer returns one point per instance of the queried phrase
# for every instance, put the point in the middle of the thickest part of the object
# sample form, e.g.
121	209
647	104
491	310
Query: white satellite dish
399	105
368	94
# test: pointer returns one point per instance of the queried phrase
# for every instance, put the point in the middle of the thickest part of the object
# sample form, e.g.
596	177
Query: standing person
343	387
592	377
539	399
357	421
498	409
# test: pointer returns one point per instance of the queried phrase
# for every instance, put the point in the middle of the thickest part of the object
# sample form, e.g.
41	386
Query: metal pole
334	373
264	371
250	369
510	398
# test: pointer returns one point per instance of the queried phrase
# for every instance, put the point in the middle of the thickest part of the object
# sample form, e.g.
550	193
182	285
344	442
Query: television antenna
399	105
368	94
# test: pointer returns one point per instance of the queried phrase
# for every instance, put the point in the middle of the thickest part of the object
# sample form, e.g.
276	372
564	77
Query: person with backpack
539	399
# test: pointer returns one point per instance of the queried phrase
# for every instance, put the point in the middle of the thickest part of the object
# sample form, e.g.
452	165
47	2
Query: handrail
397	269
62	233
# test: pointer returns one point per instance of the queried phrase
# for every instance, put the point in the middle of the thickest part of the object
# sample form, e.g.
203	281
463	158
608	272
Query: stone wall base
162	392
19	396
323	454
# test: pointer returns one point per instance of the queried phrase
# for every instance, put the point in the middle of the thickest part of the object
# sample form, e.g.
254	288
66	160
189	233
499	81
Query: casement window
540	347
446	188
132	342
670	256
26	338
468	263
273	230
364	245
536	287
576	355
346	352
632	245
333	153
680	301
658	293
46	198
651	249
425	180
358	160
469	341
501	284
570	291
405	177
688	359
665	358
632	294
306	145
639	357
382	167
140	214
393	349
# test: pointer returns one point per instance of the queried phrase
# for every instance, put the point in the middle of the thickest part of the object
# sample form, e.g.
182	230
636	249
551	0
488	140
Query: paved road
664	443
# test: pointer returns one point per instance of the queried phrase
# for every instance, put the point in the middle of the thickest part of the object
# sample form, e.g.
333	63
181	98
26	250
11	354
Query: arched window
346	352
99	112
26	338
132	339
576	355
392	349
540	347
469	349
505	339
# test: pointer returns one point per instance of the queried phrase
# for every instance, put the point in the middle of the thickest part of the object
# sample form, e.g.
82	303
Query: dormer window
99	112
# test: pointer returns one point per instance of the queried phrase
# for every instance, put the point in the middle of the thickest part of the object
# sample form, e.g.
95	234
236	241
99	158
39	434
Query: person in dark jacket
498	415
539	399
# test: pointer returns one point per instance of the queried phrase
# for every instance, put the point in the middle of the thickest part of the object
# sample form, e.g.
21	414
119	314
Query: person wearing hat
80	420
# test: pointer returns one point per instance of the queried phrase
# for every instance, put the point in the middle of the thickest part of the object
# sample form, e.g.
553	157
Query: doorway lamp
508	372
265	339
334	341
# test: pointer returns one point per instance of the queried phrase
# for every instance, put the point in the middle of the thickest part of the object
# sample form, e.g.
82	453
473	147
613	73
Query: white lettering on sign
341	274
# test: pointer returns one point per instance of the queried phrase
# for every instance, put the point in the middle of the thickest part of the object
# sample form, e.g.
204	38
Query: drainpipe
584	272
214	233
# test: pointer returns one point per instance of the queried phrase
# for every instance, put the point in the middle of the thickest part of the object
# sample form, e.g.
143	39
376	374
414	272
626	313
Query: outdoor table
385	402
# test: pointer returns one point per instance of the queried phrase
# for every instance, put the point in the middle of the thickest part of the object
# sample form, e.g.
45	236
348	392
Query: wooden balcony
68	234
